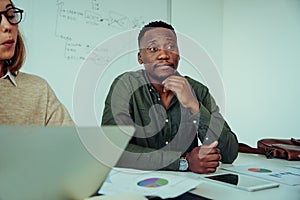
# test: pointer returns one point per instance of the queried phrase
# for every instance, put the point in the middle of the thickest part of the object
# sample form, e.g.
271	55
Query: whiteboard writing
59	35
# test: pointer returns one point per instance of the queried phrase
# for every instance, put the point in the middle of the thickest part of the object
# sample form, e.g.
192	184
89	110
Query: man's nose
164	54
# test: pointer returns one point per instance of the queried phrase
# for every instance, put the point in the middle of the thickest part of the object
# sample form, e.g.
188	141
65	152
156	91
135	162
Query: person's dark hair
15	63
154	24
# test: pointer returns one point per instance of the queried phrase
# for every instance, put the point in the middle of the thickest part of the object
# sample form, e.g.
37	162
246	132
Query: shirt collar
147	81
11	77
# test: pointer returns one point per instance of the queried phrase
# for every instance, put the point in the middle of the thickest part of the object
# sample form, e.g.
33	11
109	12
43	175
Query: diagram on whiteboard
60	35
79	24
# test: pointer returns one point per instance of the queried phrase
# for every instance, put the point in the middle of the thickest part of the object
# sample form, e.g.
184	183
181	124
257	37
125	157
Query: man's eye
170	47
152	48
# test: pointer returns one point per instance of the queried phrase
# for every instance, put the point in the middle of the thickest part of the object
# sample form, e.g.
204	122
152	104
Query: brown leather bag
275	148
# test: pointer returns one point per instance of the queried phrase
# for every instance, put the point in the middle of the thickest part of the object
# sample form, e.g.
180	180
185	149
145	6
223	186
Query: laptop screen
54	162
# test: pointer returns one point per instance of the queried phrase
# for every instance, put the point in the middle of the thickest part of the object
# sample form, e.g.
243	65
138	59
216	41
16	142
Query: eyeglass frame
7	17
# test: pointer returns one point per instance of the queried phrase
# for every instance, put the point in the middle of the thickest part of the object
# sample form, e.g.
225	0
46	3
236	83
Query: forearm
228	144
213	127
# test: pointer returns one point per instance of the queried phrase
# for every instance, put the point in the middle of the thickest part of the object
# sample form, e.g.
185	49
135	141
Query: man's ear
140	58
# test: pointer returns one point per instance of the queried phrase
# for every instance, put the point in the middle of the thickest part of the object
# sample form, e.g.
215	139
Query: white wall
256	47
261	67
202	22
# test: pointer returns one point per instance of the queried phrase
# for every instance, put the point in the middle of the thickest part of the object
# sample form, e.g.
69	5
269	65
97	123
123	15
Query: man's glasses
13	15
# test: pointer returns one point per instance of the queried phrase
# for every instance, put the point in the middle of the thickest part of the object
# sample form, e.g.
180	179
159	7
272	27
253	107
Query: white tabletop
218	191
221	192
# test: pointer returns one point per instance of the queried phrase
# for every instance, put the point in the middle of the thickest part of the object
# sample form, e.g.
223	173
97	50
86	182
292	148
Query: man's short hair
154	24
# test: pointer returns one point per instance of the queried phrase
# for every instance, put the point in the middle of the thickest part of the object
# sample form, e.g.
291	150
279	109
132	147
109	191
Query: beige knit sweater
31	102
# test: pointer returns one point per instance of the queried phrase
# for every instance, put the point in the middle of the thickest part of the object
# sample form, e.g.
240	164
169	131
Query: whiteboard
60	34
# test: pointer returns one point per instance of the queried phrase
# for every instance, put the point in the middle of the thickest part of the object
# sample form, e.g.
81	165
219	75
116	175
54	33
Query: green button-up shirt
163	134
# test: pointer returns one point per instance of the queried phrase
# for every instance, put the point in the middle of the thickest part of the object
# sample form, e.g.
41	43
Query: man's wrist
195	107
183	163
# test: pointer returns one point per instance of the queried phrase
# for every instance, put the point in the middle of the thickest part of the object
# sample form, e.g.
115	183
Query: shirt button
194	121
167	142
158	99
167	120
206	138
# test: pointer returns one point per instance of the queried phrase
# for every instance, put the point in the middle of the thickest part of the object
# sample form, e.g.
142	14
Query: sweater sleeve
56	113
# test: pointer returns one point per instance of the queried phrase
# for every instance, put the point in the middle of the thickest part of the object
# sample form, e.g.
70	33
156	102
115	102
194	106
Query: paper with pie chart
148	183
153	182
288	175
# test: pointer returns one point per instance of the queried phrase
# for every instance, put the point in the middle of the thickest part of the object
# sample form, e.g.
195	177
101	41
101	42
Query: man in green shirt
169	111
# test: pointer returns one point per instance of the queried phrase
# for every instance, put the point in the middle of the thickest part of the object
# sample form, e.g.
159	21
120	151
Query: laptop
57	163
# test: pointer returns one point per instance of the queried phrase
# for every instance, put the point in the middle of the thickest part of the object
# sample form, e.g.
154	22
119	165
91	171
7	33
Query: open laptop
57	163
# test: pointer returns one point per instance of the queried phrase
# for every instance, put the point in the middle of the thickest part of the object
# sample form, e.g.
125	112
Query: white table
221	192
218	191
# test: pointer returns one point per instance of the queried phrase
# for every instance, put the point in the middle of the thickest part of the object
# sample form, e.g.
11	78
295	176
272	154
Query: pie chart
152	182
260	170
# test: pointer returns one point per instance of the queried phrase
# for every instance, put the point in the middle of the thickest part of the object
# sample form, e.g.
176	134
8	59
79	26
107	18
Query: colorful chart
153	182
260	170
